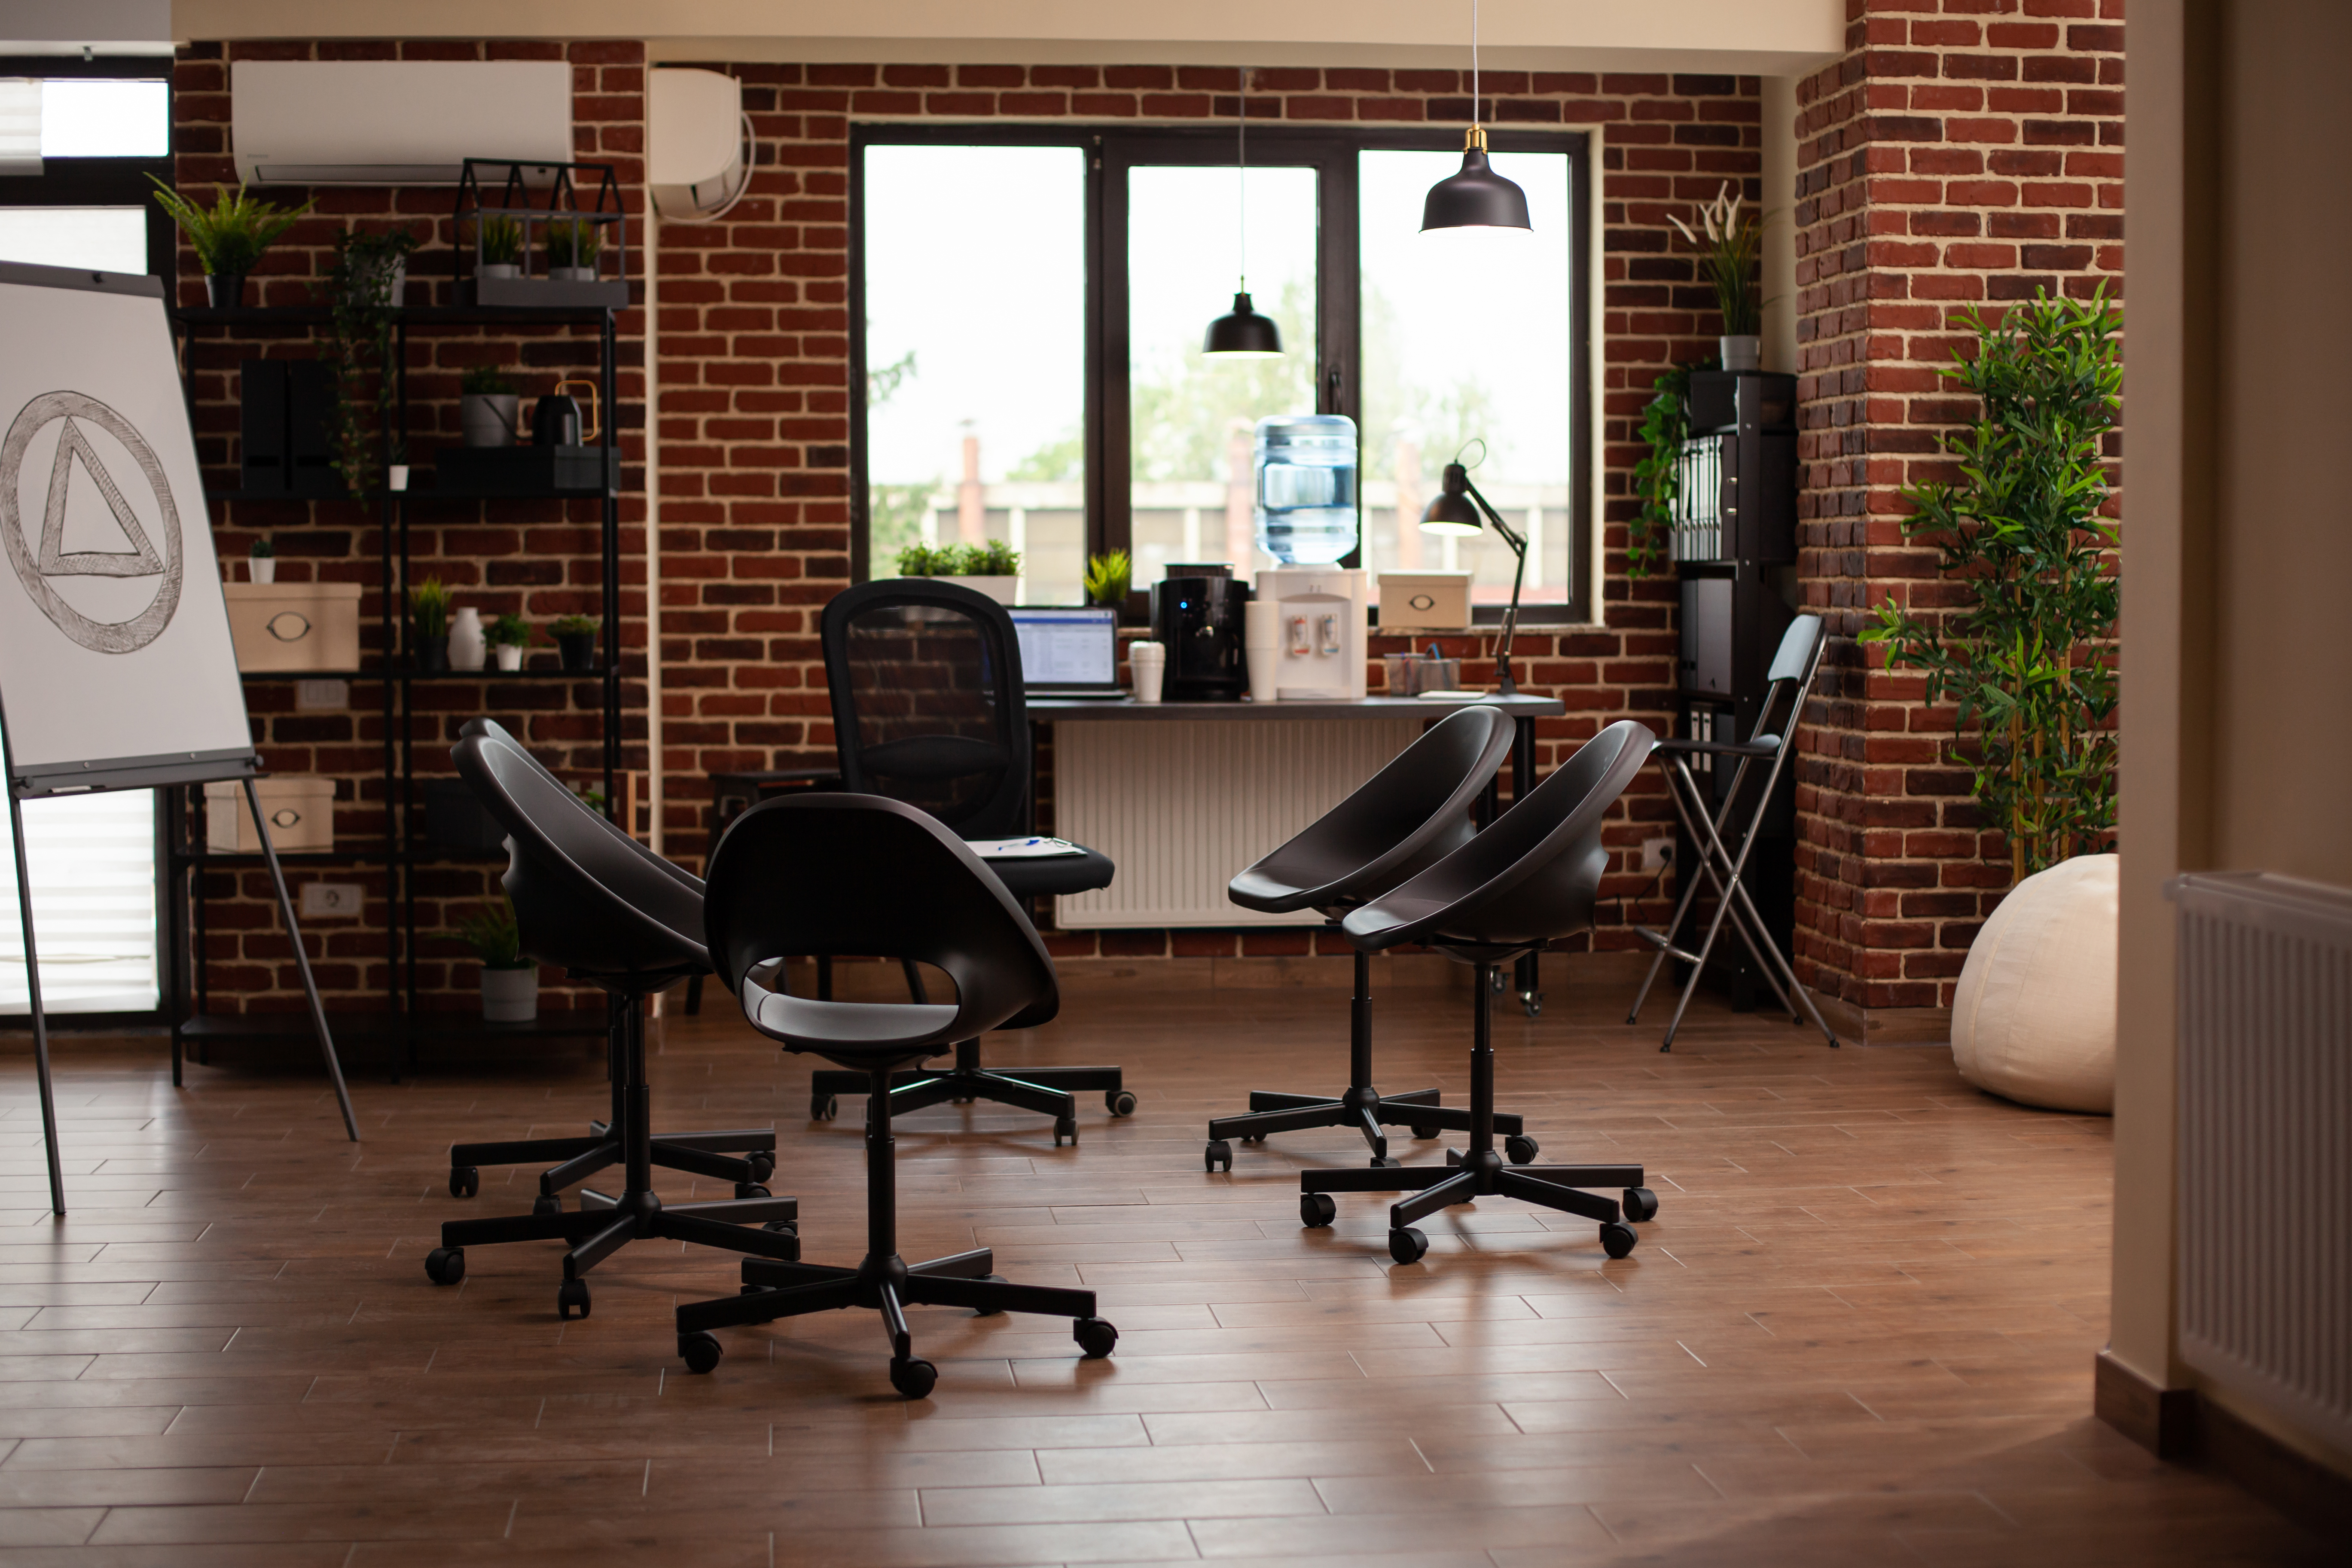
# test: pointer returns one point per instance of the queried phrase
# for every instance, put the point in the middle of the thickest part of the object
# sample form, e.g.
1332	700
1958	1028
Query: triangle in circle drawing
139	561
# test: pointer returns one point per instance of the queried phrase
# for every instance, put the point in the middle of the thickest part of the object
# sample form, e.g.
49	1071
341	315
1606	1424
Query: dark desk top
1046	710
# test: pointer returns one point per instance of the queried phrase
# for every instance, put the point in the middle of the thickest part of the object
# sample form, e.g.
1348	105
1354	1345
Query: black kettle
556	422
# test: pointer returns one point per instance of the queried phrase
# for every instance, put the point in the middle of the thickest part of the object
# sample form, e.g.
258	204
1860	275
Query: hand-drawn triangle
139	561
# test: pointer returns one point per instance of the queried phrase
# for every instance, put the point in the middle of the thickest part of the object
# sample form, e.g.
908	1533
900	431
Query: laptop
1068	653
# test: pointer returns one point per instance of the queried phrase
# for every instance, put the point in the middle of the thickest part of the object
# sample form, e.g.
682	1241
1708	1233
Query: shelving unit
398	1024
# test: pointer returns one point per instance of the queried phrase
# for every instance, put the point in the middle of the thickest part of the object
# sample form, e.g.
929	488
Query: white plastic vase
466	647
510	656
263	567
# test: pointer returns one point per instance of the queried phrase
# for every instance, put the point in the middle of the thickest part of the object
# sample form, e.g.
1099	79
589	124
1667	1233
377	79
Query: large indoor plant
509	979
2026	659
228	236
1729	259
364	287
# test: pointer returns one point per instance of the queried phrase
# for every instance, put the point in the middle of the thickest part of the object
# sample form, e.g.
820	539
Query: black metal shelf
405	315
529	672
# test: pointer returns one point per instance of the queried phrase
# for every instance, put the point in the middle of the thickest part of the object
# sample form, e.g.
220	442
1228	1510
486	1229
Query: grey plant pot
1745	351
487	418
510	995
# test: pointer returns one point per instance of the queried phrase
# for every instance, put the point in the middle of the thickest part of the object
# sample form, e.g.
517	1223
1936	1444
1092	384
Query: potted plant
994	568
487	407
501	248
575	641
228	236
508	636
429	613
1108	579
365	286
509	979
261	561
1727	259
571	251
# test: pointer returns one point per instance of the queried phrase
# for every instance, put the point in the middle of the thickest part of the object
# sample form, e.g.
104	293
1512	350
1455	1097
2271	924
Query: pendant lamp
1478	197
1242	333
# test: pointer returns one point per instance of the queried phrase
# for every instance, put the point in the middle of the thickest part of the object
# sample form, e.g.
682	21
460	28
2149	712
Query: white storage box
300	808
295	625
1424	601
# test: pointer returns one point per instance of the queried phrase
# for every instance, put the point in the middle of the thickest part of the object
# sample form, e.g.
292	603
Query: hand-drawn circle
98	637
300	622
285	817
1423	601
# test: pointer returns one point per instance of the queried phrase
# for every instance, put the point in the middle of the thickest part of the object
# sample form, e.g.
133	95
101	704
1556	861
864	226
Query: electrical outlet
318	696
330	901
1657	854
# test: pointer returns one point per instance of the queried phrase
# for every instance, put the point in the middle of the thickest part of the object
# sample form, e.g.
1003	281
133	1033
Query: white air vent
395	122
700	135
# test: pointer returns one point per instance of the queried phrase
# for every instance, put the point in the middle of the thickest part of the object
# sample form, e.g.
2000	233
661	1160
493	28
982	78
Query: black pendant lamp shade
1244	334
1478	197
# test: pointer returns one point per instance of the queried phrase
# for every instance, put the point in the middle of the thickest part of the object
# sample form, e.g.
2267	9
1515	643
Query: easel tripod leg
33	994
302	962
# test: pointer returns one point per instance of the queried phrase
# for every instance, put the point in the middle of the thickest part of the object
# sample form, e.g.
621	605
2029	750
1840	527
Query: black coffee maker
1199	620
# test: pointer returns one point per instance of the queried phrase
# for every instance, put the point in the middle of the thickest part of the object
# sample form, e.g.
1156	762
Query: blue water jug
1306	488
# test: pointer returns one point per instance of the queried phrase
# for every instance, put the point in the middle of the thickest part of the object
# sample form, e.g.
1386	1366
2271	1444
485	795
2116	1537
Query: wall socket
317	696
1657	854
330	901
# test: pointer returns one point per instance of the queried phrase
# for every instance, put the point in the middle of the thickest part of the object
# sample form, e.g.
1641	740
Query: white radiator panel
2265	1096
1180	806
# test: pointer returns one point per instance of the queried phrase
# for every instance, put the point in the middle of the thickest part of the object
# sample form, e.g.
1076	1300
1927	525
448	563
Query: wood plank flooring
1860	1330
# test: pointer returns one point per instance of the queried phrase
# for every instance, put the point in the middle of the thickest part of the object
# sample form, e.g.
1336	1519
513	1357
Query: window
1033	302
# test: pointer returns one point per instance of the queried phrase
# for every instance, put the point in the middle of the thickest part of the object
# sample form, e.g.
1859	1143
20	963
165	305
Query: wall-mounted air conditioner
700	142
393	122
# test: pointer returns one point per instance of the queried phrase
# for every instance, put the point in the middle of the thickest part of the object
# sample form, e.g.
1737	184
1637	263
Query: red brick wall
1961	154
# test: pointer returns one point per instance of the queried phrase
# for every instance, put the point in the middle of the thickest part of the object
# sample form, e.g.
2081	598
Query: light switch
316	696
330	901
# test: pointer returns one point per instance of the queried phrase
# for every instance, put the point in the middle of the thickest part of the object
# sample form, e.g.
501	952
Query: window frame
1112	151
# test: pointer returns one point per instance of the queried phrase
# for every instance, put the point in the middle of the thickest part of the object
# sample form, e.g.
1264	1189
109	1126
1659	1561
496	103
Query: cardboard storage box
1424	601
300	808
295	625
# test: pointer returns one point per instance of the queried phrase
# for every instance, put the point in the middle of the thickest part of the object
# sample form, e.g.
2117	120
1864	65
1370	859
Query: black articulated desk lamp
1452	513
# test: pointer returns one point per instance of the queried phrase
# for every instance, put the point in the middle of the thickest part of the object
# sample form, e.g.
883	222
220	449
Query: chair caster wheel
1429	1132
1217	1155
465	1181
1533	1001
1617	1240
446	1265
1521	1151
763	1165
962	1099
1119	1102
700	1351
1640	1204
1381	1162
911	1377
990	1312
570	1295
1094	1336
824	1107
1407	1245
1317	1210
752	1189
1066	1127
784	1226
545	1203
1253	1137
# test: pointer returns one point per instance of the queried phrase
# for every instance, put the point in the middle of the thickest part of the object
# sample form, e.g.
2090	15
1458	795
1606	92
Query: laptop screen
1067	649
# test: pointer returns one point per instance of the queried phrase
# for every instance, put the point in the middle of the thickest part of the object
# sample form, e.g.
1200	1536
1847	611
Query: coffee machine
1199	620
1325	627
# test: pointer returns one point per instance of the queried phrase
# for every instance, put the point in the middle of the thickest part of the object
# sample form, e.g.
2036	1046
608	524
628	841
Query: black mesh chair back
925	681
1407	817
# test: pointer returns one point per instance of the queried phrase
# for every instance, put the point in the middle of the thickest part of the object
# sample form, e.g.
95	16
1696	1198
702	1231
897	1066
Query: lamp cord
1474	63
1241	176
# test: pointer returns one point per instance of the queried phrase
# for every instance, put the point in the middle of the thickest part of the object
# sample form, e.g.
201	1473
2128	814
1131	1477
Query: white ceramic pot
510	995
263	567
466	647
487	418
395	476
510	656
1745	351
501	269
1004	590
572	274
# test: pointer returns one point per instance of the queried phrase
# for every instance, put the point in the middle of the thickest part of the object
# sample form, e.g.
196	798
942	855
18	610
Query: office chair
925	680
1794	665
845	874
589	897
1406	818
1530	877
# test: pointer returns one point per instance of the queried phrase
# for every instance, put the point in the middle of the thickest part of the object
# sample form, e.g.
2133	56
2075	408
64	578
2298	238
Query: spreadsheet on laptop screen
1067	647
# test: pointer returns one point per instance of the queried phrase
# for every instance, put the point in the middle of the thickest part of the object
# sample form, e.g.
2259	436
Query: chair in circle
838	875
925	683
1528	879
619	917
1404	819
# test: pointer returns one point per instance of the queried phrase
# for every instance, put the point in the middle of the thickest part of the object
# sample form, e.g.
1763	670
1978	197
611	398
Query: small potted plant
509	979
575	641
228	236
487	407
1728	259
509	636
501	248
572	250
1109	577
261	561
994	568
428	613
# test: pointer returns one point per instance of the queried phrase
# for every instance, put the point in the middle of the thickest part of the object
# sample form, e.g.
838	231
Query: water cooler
1323	626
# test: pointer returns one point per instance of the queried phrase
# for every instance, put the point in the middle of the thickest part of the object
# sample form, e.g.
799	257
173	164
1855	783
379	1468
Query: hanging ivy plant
360	294
1657	478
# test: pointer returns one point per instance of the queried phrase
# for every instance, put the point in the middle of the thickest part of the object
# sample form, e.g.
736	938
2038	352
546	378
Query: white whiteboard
114	643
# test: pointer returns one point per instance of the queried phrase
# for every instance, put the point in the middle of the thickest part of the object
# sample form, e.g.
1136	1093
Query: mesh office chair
589	897
1406	818
1794	665
925	680
847	874
1530	877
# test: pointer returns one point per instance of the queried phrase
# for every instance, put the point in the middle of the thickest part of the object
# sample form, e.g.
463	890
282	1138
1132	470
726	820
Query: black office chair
924	679
847	874
1794	665
1404	819
589	897
1526	880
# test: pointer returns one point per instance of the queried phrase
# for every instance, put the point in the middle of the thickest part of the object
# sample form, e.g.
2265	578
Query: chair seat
1048	876
852	1028
1255	890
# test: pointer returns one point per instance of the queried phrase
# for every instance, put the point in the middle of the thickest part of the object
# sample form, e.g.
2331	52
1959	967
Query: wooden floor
1859	1331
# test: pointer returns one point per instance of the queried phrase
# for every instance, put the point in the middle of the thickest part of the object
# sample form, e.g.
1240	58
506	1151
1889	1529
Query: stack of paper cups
1149	662
1262	646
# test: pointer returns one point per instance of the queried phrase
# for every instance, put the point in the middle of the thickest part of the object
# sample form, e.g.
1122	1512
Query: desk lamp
1452	514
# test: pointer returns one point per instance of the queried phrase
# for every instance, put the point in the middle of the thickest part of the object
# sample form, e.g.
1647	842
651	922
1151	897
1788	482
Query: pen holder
1149	662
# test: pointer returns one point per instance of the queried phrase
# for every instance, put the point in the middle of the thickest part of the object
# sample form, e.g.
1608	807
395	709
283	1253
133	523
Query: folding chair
1793	668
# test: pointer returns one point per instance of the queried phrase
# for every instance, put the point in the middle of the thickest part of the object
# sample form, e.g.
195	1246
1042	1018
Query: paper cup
1262	647
1149	661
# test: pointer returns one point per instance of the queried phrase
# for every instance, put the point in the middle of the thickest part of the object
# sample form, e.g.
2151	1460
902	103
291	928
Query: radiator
1182	806
2265	1172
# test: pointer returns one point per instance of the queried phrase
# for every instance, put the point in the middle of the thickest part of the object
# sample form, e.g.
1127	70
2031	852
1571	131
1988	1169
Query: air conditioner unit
393	122
701	139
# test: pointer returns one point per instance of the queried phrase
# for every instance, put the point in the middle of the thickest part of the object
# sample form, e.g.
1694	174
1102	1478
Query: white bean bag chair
2033	1019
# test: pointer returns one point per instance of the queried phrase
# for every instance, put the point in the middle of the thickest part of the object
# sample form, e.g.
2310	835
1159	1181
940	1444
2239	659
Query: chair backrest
586	895
1792	672
1532	875
1407	817
925	681
837	874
